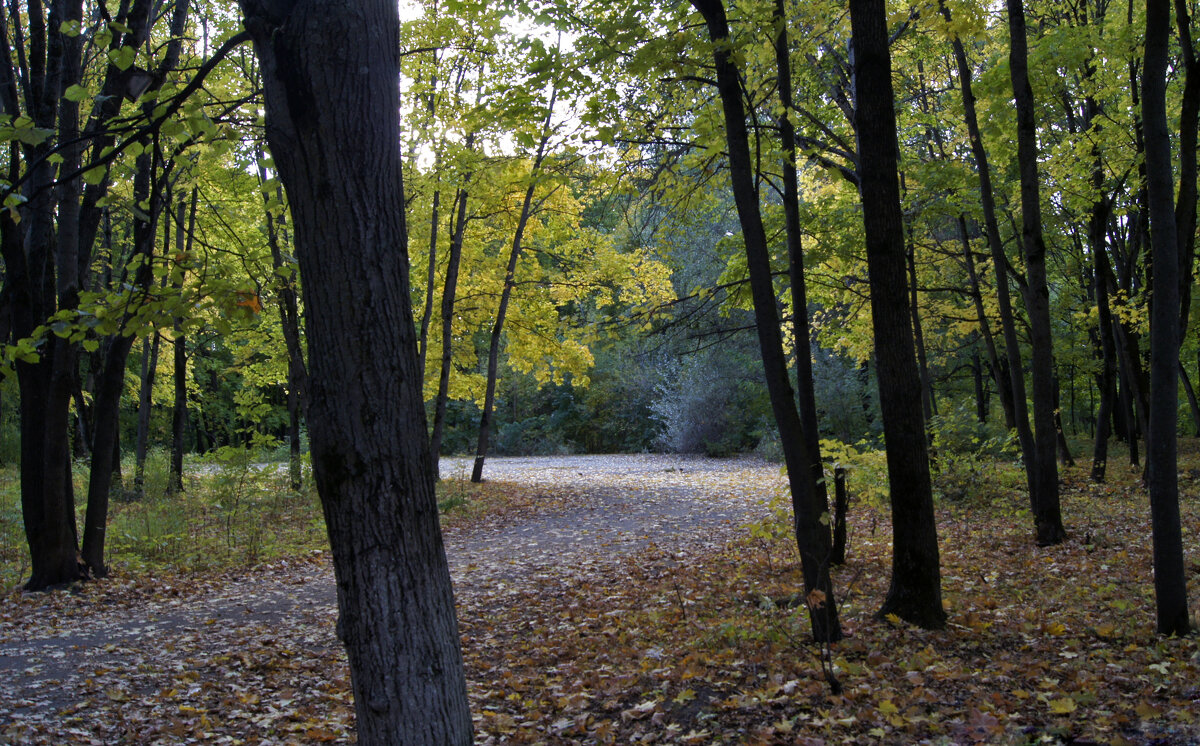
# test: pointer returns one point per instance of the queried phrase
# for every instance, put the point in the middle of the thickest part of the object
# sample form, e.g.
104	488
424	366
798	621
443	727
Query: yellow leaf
892	618
687	695
887	707
1146	711
1064	706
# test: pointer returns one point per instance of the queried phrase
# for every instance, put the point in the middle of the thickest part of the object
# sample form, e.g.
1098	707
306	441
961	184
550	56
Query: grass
236	511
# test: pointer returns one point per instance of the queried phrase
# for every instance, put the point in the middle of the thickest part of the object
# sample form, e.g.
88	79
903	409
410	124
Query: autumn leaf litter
623	599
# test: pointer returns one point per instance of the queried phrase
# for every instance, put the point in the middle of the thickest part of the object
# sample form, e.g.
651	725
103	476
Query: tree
1044	483
808	505
915	593
330	73
1170	577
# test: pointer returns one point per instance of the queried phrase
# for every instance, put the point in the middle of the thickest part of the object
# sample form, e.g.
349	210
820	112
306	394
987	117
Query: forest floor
647	599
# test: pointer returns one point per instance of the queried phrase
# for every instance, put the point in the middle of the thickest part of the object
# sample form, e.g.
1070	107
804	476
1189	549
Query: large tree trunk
330	74
1170	577
1046	510
812	536
915	593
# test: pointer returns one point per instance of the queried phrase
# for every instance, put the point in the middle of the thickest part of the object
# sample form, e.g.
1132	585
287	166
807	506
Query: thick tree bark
330	74
812	536
1046	510
915	593
1170	576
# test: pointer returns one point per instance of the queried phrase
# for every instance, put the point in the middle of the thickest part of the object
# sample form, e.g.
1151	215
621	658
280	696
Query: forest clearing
644	599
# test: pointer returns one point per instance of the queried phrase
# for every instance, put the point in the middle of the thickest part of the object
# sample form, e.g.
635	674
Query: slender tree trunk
111	380
178	412
928	406
1190	392
289	323
841	506
1189	132
801	332
812	537
915	593
1170	575
149	366
329	83
449	292
1000	266
510	271
1047	513
995	362
449	296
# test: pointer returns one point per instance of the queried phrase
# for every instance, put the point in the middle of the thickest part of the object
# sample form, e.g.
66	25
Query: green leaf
95	175
69	28
122	58
75	93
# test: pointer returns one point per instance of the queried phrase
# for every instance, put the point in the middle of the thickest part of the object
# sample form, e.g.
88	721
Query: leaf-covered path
252	657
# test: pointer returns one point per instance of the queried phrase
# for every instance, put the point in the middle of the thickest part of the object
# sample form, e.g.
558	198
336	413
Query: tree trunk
801	331
289	323
149	366
812	536
928	406
915	593
1190	392
1000	266
1170	576
110	383
332	103
840	507
449	292
1047	513
178	413
510	271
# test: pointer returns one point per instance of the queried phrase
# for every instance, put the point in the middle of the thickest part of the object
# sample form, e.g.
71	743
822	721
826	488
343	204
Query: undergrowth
237	509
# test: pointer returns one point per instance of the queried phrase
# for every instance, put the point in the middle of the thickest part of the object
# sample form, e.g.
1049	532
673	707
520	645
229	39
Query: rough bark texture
330	72
812	536
1047	515
915	593
1170	577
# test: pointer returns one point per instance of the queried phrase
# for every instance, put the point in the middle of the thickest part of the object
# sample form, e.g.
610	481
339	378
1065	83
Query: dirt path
62	661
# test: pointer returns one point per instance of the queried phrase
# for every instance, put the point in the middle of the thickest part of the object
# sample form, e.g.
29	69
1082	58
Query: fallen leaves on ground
685	632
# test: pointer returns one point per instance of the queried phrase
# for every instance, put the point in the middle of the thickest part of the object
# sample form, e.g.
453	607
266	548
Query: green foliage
964	451
866	469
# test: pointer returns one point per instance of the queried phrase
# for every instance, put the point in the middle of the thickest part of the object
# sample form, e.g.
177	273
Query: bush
963	449
711	403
